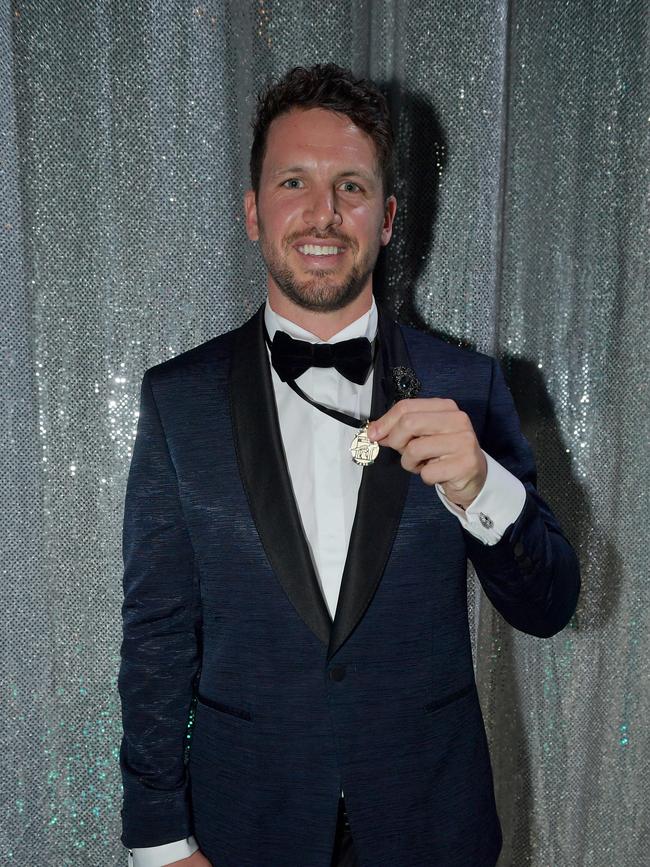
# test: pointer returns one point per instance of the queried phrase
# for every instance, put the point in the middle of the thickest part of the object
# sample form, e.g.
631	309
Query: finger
441	471
438	470
418	424
430	448
383	425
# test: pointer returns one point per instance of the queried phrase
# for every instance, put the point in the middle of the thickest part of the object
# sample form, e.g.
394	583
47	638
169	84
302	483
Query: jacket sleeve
160	651
531	575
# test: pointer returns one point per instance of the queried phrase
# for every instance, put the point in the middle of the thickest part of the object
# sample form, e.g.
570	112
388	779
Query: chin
325	301
320	291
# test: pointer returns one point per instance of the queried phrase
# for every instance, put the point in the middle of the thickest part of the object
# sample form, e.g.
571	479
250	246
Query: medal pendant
363	450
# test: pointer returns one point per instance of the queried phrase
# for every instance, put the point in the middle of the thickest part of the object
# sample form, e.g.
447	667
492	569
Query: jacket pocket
438	703
227	709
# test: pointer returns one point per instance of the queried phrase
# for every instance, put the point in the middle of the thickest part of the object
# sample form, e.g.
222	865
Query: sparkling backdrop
523	226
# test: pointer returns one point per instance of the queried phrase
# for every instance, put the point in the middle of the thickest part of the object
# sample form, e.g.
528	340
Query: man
298	590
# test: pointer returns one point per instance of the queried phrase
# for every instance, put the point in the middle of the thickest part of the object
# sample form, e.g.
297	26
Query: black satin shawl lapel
265	475
380	501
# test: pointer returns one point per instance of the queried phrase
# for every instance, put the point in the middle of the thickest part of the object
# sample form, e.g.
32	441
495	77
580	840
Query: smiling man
321	214
304	494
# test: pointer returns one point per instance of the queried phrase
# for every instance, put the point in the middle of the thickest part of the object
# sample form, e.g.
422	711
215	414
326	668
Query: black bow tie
291	358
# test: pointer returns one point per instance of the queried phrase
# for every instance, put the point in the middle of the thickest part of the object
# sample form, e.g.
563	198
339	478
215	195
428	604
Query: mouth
320	253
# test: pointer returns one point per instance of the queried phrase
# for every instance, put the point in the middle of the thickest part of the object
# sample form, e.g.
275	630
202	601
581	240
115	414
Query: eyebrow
345	173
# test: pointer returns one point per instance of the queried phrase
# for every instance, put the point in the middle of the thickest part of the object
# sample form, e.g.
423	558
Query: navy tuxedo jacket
225	626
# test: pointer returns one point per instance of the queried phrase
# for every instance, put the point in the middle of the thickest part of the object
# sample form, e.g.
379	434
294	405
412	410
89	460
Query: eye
291	181
351	184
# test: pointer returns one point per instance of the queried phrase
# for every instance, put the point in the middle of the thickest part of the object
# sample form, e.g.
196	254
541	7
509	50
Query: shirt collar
364	326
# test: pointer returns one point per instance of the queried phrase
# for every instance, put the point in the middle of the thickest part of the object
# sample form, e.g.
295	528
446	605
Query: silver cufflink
487	522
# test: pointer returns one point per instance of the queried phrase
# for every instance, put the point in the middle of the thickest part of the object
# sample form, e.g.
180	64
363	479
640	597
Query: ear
250	210
390	209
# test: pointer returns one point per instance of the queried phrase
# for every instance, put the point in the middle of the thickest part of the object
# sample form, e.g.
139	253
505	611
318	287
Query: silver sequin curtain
523	131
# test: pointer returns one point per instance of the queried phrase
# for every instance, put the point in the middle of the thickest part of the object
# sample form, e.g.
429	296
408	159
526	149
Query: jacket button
337	673
518	549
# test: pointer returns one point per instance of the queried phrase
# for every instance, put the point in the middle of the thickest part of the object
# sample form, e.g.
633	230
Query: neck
323	325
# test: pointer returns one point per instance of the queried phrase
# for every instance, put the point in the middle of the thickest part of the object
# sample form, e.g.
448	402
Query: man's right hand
197	859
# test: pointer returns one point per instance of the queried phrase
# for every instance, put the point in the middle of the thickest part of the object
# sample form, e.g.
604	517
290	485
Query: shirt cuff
158	856
497	505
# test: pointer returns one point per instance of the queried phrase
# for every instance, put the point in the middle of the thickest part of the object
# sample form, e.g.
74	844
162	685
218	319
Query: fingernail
373	432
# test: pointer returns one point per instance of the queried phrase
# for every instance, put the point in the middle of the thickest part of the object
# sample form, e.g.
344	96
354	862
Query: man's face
320	215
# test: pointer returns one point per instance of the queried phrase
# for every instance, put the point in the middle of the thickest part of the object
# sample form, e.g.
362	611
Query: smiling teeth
313	250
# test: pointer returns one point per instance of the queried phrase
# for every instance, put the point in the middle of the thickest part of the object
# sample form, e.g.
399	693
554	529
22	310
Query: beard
322	291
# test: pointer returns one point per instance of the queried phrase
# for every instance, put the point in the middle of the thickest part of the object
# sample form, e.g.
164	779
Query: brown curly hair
328	86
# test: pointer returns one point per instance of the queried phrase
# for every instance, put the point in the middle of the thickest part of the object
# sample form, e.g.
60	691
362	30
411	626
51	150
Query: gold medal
363	450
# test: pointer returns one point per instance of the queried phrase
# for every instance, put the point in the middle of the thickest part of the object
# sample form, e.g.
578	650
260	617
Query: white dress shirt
326	482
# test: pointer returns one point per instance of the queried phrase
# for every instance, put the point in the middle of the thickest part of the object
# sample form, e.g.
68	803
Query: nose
320	211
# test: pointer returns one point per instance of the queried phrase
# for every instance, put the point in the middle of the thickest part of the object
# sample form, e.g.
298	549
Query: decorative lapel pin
405	382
